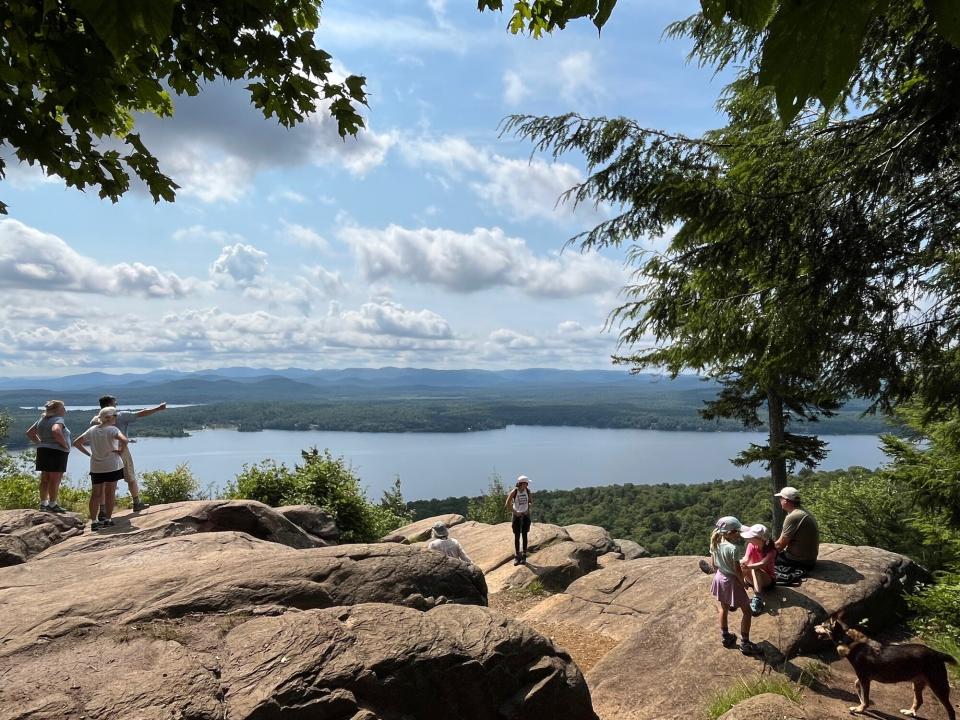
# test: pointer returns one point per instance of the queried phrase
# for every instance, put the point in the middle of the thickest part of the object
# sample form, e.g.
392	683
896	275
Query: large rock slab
420	530
216	572
27	533
554	567
314	520
662	611
393	662
186	518
362	662
490	546
592	535
768	706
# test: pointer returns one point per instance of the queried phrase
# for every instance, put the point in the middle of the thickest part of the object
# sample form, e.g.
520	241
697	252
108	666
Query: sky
427	241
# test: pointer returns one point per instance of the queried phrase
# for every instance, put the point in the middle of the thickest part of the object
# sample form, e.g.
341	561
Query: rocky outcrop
420	530
27	533
592	535
313	520
554	567
187	518
390	661
224	572
490	546
608	559
631	550
665	617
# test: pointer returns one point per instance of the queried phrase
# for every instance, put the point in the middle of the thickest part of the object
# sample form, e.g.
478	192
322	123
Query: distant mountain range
296	384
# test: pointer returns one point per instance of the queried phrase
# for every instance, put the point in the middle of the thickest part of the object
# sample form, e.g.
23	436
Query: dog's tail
949	659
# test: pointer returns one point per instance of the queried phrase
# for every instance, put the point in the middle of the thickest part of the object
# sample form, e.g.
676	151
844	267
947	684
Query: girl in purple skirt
728	586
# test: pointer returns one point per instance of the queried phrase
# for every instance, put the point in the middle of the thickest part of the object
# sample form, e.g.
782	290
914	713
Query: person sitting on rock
758	562
799	541
443	543
519	501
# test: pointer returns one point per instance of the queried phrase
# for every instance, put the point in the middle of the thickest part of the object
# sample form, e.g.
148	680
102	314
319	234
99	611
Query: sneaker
55	509
516	559
523	558
43	507
756	605
750	648
96	525
728	640
107	523
140	505
705	567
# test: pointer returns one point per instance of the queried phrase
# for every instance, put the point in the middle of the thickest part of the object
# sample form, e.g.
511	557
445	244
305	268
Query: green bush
159	487
491	507
937	619
18	490
265	482
328	482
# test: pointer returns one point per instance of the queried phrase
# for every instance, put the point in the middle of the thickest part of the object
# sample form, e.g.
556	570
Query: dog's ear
839	620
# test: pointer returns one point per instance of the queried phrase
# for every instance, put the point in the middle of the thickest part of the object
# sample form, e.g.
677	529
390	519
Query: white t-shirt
102	441
521	502
450	548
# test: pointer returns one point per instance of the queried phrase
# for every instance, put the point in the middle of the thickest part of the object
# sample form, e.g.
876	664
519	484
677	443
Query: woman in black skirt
52	437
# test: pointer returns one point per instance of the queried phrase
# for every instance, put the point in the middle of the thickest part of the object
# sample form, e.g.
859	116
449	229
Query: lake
444	464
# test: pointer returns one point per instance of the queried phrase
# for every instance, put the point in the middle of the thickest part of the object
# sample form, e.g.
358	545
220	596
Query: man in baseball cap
799	541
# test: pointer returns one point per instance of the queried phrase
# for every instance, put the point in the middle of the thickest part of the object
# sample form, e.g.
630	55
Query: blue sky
428	241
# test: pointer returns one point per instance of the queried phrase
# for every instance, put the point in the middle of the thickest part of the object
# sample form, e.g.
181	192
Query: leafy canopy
74	72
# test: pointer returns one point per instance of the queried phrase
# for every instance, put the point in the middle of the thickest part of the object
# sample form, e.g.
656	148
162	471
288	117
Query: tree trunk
778	465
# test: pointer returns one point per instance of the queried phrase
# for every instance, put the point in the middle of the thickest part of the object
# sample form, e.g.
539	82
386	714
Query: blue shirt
44	428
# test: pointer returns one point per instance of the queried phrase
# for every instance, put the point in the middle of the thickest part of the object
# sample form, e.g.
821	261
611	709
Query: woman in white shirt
106	444
519	501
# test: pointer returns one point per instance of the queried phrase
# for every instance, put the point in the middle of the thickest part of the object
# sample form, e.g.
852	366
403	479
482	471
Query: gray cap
439	530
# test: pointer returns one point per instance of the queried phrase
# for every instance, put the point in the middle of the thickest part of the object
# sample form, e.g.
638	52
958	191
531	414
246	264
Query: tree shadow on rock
835	572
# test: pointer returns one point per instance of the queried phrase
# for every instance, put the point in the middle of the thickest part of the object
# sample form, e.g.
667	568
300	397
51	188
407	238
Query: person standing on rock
758	562
519	501
52	437
799	541
123	424
728	586
107	445
443	543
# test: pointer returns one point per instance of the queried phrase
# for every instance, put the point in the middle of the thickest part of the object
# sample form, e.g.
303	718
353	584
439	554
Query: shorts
729	591
521	523
50	460
98	478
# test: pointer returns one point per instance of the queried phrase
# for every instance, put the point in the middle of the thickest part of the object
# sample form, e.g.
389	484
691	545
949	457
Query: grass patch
725	699
947	643
813	673
533	590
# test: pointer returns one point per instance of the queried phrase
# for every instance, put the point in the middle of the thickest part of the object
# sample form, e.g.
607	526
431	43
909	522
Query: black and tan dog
872	660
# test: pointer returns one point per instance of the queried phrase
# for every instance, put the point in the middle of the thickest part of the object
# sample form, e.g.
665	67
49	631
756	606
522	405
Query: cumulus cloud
304	237
388	318
216	161
240	262
576	73
523	189
482	259
34	260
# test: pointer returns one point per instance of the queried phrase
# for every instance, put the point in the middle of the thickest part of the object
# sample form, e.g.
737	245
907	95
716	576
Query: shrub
266	482
159	487
18	490
490	507
328	482
938	616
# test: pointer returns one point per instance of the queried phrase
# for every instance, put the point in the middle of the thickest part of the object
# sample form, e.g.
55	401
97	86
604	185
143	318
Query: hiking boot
728	640
516	559
756	605
96	525
750	648
523	558
139	505
43	507
705	567
55	509
108	523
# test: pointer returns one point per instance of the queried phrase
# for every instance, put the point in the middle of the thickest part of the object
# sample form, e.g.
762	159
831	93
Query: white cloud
482	259
304	237
523	189
576	73
201	233
388	318
34	260
241	262
514	89
216	161
397	32
279	196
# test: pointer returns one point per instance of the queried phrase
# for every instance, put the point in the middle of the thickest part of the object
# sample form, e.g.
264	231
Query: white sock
44	503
